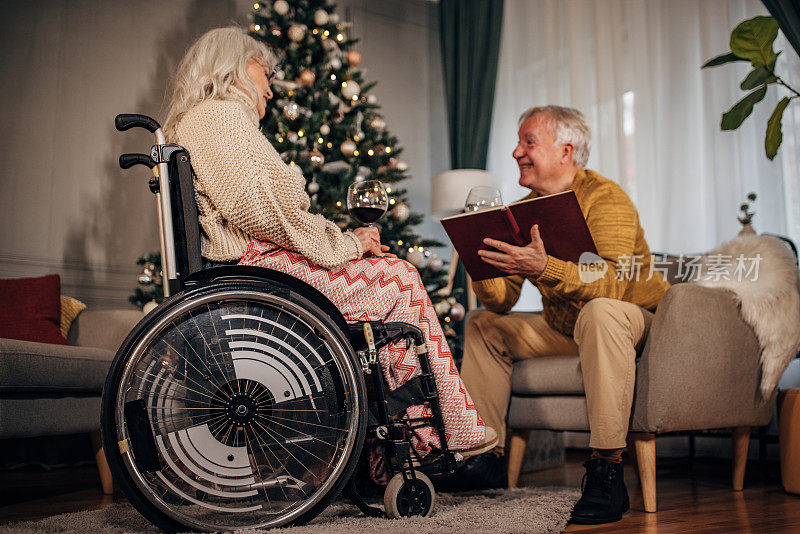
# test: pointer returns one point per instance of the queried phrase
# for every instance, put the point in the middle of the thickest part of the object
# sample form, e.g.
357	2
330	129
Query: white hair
211	67
568	125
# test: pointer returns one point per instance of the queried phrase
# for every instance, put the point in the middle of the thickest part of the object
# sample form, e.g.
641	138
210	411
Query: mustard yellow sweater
614	224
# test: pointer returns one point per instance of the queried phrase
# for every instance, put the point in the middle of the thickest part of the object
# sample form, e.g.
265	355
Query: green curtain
787	13
470	41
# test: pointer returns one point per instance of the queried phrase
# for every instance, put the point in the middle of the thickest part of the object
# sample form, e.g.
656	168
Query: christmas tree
324	119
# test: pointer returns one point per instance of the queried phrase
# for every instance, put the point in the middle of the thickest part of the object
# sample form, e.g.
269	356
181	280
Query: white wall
69	66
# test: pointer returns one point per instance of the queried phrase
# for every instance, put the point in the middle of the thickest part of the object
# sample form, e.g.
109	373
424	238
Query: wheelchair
244	399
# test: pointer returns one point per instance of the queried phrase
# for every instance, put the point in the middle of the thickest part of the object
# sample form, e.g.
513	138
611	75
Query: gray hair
568	125
211	67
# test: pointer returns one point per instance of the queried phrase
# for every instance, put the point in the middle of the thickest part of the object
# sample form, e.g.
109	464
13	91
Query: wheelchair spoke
287	450
309	423
295	429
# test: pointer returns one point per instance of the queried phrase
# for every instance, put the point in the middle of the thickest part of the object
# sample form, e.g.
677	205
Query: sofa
48	389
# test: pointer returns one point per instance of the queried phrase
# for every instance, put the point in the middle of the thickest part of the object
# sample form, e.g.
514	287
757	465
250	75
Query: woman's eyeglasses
271	74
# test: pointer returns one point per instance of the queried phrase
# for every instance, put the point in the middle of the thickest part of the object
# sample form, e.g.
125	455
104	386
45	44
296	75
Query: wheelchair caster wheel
409	499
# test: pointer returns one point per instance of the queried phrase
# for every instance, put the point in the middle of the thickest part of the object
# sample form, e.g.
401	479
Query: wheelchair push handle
126	161
126	121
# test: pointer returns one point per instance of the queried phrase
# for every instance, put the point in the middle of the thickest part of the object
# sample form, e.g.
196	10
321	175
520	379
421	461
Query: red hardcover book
561	225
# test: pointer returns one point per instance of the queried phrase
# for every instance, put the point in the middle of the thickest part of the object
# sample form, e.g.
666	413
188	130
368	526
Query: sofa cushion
30	309
30	367
561	412
547	375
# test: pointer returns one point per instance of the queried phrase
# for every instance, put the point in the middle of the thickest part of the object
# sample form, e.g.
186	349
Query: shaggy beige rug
528	510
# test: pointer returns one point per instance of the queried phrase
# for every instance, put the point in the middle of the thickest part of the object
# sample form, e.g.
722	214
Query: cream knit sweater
245	191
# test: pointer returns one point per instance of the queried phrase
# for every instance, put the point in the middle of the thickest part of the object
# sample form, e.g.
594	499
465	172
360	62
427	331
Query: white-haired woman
253	210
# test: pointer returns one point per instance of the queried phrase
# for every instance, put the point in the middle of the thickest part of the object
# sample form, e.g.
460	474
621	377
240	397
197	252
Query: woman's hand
371	242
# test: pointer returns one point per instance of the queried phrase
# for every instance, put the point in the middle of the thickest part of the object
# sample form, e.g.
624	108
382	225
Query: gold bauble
354	58
307	77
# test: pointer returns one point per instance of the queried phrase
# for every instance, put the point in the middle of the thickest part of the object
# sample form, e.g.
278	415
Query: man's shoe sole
599	521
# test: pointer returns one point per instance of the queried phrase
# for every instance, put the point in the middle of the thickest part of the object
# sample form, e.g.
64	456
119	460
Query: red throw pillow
30	309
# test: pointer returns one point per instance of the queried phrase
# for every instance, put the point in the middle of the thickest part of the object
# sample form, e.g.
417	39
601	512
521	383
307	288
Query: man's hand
371	242
528	261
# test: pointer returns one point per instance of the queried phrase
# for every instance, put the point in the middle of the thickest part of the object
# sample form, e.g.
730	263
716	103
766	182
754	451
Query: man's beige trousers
608	335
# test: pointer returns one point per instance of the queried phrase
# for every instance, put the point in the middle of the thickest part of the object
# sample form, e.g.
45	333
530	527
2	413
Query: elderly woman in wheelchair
241	401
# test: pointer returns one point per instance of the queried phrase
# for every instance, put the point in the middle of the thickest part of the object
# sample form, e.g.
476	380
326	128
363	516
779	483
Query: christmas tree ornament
316	157
336	167
333	18
150	306
291	110
435	263
363	173
401	211
378	123
296	32
292	137
324	129
372	99
336	63
275	31
350	89
312	187
442	308
401	165
415	257
320	17
348	148
145	279
457	311
281	7
354	58
307	77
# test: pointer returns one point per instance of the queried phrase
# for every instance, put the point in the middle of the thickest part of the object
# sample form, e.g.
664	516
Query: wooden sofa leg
516	453
645	446
741	441
102	465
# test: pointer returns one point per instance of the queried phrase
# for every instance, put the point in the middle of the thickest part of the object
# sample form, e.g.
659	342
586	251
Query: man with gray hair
603	317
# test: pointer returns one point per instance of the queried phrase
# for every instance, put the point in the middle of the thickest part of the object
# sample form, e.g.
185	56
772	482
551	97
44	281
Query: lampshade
449	189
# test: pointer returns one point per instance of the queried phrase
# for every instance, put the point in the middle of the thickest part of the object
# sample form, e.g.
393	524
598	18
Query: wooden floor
696	499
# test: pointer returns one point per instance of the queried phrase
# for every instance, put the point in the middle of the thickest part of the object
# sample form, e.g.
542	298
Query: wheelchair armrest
700	367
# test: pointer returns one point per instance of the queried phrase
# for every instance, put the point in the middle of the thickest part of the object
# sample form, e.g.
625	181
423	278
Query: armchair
699	370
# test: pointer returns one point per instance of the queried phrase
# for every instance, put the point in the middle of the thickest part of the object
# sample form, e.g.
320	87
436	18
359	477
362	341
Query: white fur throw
769	297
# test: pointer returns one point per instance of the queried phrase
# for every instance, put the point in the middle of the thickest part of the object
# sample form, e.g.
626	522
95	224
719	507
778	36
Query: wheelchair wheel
234	406
409	498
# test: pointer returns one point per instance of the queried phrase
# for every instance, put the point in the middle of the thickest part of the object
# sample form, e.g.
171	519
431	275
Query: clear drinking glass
367	201
482	196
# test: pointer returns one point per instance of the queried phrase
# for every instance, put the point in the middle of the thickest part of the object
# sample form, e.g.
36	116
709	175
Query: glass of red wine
367	201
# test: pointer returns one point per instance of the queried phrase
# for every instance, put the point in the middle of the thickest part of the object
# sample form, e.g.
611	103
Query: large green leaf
757	77
724	58
774	135
742	109
753	38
